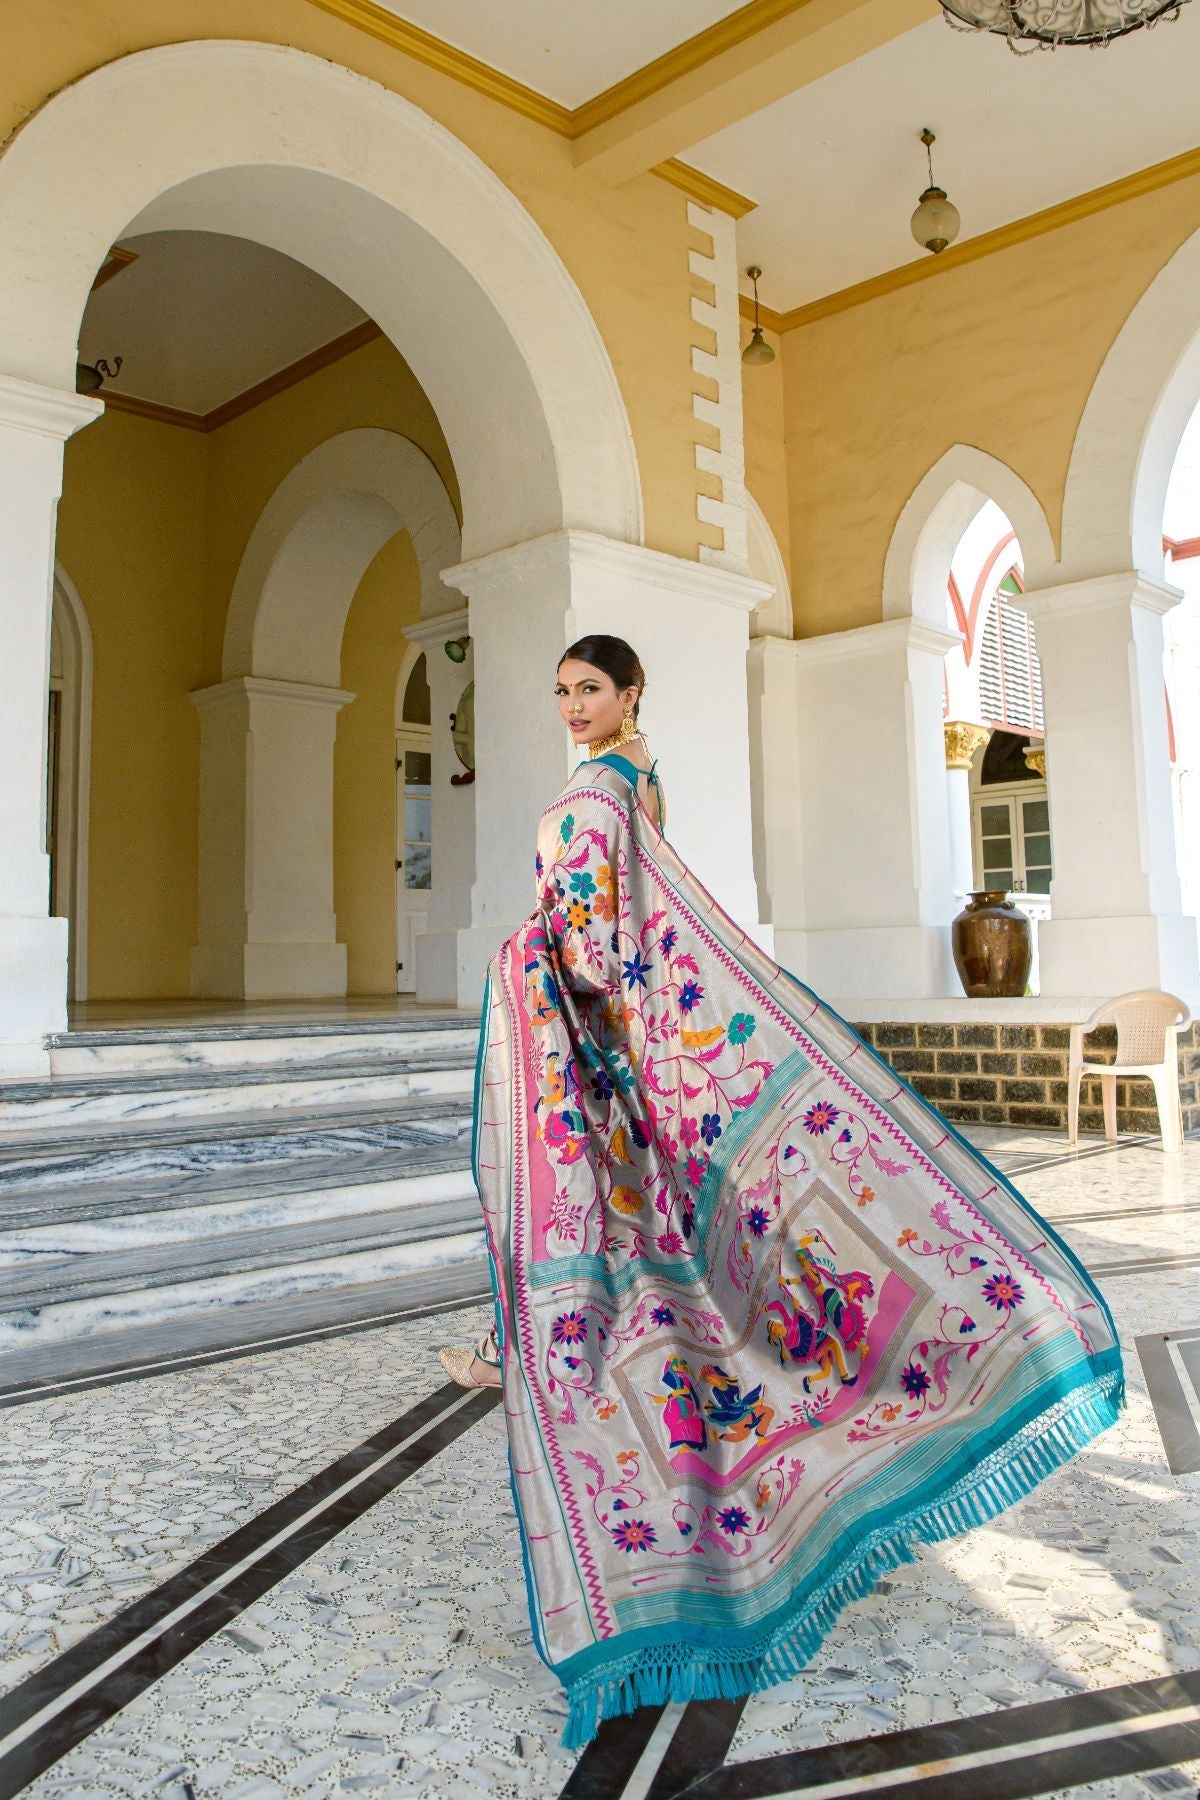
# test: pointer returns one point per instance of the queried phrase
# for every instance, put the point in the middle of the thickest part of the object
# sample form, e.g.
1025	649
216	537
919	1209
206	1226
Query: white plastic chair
1148	1025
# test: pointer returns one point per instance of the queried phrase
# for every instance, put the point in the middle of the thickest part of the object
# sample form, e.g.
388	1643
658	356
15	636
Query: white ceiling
837	168
569	50
200	317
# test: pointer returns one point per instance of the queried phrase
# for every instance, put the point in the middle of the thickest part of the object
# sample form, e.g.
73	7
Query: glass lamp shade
1051	22
456	649
758	350
935	222
88	379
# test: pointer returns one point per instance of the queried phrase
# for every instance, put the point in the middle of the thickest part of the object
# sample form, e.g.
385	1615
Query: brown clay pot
993	945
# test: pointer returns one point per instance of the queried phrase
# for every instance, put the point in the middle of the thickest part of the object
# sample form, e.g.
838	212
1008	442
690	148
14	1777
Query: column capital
46	411
1097	594
963	739
889	635
438	628
262	687
569	553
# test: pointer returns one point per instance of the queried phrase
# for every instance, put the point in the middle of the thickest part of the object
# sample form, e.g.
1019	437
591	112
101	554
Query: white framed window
1011	835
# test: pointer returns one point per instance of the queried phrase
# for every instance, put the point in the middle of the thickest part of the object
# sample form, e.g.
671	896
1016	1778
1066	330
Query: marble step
84	1154
152	1049
41	1221
59	1329
141	1267
137	1095
138	1346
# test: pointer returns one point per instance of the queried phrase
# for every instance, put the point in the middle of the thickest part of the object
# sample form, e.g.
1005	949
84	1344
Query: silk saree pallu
768	1321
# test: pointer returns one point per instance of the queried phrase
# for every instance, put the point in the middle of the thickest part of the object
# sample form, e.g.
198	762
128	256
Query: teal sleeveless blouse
632	773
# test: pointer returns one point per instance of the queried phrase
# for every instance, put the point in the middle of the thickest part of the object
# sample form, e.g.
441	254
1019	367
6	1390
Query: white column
266	921
689	623
453	818
1117	920
774	763
863	912
962	740
35	423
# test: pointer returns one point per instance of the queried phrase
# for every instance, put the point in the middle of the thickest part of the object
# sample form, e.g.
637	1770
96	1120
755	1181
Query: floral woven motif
768	1321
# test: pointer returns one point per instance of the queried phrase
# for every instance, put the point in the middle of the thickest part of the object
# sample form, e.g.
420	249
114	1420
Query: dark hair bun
614	657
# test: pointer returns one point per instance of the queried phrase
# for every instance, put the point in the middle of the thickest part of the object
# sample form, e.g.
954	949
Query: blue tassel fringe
679	1672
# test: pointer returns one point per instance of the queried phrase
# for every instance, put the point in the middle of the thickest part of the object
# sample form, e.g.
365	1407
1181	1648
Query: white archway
312	543
270	143
1136	412
266	912
771	617
932	522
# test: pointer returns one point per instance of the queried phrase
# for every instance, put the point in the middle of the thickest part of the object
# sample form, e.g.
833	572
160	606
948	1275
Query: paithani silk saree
768	1321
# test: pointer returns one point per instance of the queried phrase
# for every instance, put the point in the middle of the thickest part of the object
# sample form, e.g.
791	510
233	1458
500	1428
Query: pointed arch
1141	400
933	519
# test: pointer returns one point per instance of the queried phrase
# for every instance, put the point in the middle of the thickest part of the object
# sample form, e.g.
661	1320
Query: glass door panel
996	844
418	814
1036	858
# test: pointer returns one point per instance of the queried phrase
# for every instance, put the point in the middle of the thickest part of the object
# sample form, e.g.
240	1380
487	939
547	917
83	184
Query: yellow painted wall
152	526
131	537
1000	354
364	785
626	246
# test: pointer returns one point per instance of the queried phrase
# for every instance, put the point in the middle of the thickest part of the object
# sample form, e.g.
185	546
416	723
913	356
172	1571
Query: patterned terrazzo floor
395	1655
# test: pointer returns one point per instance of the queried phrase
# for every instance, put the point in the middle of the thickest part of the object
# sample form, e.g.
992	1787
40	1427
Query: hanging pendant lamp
935	222
1045	24
757	350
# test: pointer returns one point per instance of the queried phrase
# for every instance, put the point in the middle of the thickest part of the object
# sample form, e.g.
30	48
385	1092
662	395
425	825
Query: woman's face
590	702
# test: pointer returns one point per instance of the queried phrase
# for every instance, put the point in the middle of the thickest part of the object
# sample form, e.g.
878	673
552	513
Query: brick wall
1017	1074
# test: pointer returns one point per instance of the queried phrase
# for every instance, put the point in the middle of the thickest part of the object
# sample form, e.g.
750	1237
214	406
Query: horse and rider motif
833	1334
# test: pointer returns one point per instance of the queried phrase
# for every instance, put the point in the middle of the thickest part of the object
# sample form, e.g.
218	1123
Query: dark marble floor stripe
698	1748
61	1704
1015	1778
1174	1412
171	1364
613	1754
937	1747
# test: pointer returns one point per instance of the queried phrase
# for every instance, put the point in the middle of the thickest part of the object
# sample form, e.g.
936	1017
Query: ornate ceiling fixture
1045	24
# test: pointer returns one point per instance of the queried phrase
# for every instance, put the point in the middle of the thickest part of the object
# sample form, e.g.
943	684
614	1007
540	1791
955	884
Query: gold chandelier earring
629	729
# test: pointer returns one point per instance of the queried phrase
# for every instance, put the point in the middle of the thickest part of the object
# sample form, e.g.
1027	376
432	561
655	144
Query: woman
765	1320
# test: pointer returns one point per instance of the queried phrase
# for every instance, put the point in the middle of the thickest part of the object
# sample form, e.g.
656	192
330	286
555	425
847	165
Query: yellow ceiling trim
332	352
150	409
116	260
367	16
704	188
449	60
767	316
1052	218
692	54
